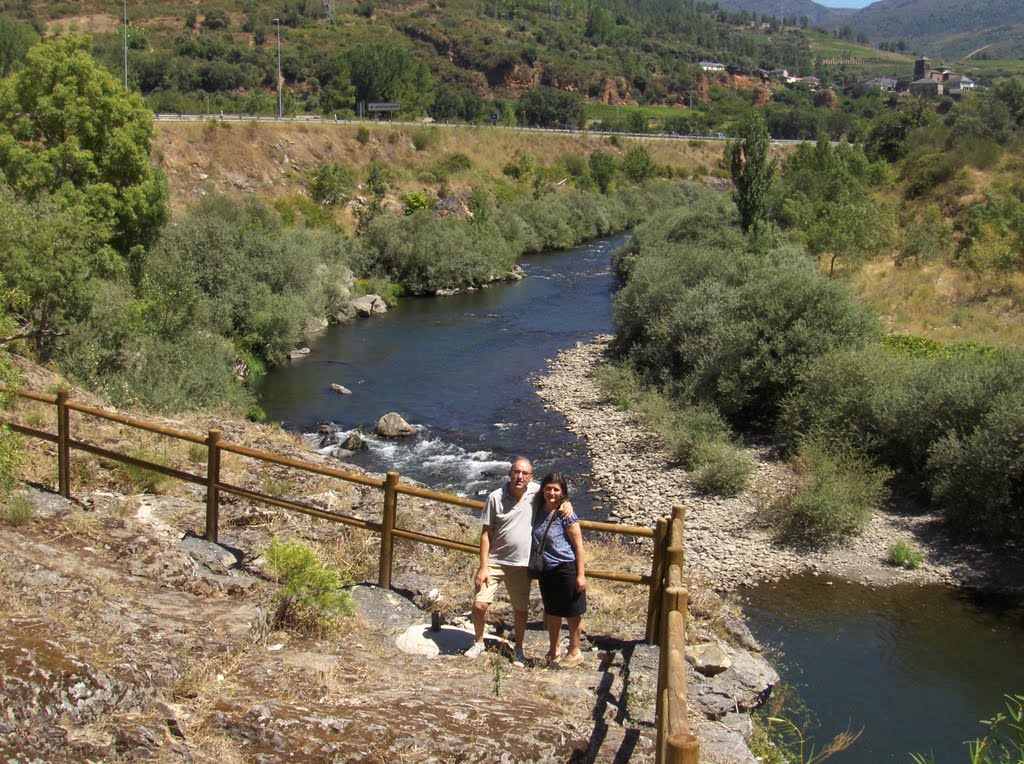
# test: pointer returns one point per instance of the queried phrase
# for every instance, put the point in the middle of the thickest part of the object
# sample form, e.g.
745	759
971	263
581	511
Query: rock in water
354	442
340	389
392	425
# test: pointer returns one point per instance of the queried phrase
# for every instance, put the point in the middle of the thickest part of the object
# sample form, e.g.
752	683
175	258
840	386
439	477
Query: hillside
815	13
950	28
274	160
455	58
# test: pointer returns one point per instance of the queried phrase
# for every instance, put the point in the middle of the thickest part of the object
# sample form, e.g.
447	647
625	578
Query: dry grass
944	303
256	153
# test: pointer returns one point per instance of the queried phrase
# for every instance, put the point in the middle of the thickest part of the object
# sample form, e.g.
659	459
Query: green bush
724	469
723	319
837	493
978	473
903	555
416	200
311	599
331	184
363	134
424	139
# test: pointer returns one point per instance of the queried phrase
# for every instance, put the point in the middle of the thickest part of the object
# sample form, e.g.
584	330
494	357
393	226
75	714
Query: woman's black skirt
558	590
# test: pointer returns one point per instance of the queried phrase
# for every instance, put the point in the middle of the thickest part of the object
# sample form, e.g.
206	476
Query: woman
563	585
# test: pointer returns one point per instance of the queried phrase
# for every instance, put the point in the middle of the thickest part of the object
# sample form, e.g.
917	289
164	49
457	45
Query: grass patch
903	555
18	510
311	599
836	495
142	479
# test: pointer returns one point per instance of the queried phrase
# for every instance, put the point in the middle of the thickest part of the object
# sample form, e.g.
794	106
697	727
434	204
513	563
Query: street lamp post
280	102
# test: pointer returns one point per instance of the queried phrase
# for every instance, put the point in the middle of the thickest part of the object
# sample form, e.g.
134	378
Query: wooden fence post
669	602
683	748
387	542
212	479
657	581
63	445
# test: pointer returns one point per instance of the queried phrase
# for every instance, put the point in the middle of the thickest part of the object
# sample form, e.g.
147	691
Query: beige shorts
517	583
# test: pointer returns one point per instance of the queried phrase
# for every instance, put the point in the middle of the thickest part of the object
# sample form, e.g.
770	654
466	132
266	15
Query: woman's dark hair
552	477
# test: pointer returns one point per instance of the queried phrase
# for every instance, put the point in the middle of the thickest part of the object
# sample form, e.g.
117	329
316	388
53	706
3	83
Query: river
916	668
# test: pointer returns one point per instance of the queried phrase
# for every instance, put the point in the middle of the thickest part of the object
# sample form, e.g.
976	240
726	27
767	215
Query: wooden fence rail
676	745
391	487
667	598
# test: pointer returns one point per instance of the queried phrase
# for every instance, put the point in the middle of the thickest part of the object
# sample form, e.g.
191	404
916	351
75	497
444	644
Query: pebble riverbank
725	547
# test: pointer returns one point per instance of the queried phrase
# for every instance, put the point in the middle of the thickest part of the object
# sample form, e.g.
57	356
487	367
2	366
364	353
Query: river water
914	667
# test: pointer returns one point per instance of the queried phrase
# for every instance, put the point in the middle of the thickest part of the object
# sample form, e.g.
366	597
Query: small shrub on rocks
837	494
311	599
723	470
903	555
18	510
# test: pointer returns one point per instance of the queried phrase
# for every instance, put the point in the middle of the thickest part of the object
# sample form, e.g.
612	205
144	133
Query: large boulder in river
369	304
392	425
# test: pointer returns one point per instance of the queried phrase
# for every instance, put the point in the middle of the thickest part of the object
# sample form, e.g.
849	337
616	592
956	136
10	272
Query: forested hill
947	27
937	28
454	56
815	13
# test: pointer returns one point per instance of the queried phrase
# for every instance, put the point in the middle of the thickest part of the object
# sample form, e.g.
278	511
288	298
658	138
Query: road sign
382	106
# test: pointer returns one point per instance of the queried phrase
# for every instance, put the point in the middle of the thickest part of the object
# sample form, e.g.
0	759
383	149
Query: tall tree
752	172
68	128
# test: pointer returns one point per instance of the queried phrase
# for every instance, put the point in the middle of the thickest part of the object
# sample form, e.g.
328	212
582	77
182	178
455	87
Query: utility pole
280	101
125	44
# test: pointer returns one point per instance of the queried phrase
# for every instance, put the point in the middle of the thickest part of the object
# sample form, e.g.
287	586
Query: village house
712	66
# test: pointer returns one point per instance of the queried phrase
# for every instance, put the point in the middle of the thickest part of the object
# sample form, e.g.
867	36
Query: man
504	552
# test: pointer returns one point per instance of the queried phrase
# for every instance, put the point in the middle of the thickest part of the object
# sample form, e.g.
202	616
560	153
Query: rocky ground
726	544
126	637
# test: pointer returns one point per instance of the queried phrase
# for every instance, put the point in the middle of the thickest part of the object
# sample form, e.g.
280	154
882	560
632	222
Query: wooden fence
666	604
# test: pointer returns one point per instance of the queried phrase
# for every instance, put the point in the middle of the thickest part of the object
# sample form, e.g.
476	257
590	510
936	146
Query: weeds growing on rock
142	479
311	599
18	510
780	735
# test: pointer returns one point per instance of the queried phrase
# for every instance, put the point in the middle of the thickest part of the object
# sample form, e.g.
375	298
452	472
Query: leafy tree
637	165
68	127
752	172
602	170
16	39
215	18
547	107
385	72
53	254
887	138
331	184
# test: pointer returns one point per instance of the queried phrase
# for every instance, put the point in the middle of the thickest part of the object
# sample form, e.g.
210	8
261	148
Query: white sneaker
476	649
520	659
